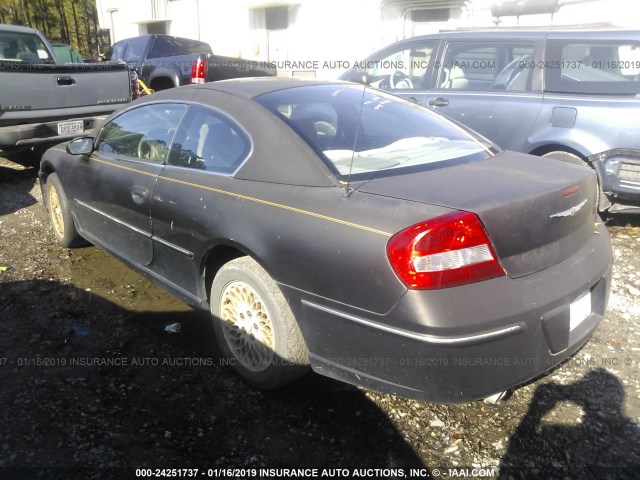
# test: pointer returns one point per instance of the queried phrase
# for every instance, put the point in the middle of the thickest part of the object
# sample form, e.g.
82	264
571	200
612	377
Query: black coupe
331	225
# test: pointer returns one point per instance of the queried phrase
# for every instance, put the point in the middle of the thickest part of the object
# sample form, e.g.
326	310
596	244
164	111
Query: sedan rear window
360	132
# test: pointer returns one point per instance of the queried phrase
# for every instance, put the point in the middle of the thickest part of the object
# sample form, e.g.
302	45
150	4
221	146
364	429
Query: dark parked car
571	95
344	228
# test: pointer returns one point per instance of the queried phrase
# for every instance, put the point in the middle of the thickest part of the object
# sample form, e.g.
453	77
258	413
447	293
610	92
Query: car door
490	86
130	152
207	150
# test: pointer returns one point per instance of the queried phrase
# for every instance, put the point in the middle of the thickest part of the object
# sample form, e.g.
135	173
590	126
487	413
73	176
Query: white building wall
329	34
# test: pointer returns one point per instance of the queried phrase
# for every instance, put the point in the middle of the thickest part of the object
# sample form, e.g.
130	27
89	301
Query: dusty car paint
324	244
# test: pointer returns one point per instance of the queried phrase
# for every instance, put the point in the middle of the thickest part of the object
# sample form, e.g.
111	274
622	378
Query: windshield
361	133
23	47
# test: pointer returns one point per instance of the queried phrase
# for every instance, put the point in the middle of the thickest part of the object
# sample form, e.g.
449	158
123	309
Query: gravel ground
164	401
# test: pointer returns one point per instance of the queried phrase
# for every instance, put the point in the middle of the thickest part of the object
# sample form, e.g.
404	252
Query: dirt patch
93	386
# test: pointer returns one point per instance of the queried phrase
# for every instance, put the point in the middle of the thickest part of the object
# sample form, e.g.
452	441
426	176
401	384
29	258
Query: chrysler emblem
570	212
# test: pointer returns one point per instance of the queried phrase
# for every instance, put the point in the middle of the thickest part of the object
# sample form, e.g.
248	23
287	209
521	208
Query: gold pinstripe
279	205
251	199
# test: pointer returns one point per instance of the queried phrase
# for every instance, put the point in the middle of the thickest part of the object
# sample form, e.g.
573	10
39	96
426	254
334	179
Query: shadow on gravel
21	197
623	220
16	178
601	443
87	384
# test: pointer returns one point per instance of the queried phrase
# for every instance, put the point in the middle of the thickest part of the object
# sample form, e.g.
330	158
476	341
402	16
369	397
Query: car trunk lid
537	211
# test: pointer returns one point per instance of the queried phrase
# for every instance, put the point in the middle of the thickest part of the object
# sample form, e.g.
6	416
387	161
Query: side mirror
80	146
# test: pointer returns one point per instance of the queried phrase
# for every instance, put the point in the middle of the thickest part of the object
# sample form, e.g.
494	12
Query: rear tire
566	157
59	213
255	328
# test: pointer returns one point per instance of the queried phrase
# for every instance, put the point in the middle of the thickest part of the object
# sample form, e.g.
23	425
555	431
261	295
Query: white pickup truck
43	102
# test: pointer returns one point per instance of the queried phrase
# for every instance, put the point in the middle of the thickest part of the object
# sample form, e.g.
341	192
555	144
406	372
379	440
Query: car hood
537	211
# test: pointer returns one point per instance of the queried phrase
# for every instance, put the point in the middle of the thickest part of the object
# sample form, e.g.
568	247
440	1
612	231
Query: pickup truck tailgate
32	87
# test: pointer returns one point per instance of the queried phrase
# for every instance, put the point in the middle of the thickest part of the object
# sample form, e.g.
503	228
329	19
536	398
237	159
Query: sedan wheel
255	328
56	212
247	326
60	213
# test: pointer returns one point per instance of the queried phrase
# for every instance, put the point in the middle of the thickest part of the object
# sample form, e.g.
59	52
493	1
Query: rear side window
172	46
487	66
208	140
593	67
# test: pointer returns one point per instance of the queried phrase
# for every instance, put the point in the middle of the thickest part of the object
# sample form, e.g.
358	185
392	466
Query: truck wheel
60	213
254	326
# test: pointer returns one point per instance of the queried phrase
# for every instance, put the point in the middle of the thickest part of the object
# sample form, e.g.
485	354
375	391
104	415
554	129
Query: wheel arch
162	82
213	260
46	169
603	200
557	147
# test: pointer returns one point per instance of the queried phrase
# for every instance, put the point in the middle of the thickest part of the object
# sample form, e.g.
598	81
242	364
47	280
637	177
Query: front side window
208	140
593	67
144	133
365	133
486	66
402	69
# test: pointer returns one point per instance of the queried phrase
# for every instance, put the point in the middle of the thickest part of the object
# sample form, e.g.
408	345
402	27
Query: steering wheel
150	148
399	80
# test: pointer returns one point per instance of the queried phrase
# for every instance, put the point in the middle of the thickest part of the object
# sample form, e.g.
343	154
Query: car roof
540	33
15	28
159	35
254	87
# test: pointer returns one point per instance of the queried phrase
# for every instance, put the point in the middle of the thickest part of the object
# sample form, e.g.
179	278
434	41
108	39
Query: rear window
172	46
360	132
593	67
23	47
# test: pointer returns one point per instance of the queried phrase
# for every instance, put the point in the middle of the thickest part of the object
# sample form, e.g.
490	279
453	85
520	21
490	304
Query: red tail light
198	71
450	250
134	84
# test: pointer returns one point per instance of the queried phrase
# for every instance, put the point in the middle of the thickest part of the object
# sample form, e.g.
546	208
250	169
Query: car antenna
347	190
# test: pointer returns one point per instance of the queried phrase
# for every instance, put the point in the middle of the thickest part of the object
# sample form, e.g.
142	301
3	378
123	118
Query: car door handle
65	81
438	102
139	193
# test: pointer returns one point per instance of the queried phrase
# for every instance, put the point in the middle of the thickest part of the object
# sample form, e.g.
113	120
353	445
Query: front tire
255	328
59	213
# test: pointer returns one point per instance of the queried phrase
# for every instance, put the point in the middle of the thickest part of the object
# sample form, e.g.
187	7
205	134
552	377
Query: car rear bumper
37	127
464	343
